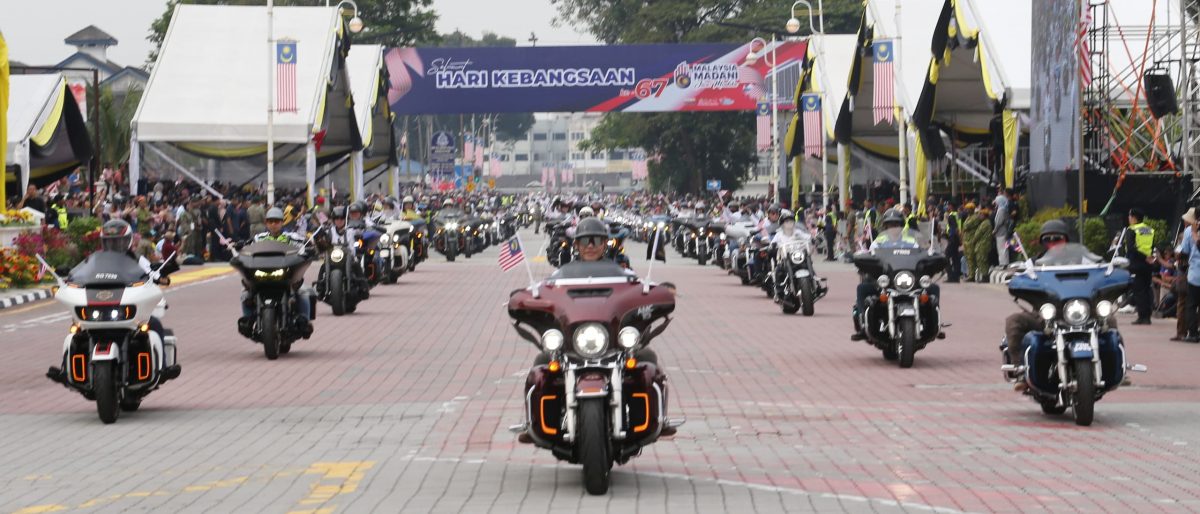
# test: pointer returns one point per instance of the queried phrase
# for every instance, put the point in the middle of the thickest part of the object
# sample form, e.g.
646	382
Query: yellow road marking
337	478
36	509
539	258
199	274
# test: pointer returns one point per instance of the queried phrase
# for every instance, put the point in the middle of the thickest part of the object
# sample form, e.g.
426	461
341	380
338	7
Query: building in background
553	142
91	52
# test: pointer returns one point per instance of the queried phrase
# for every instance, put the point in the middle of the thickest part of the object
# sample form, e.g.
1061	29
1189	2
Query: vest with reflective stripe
1143	238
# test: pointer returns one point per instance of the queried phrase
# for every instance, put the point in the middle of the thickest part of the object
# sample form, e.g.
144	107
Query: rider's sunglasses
591	241
1055	238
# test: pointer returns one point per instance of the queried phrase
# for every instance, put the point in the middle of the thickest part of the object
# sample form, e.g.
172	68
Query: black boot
246	326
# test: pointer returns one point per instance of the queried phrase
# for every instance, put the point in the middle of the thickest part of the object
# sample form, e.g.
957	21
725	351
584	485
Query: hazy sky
35	30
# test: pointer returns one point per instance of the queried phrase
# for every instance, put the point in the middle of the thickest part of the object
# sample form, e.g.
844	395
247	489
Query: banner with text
632	78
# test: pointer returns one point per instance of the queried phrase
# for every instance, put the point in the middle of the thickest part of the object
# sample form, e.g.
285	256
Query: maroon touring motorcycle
596	396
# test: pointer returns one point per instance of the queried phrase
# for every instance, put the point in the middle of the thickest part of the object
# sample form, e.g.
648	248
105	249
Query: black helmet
339	212
1054	227
891	217
357	207
589	227
774	208
116	236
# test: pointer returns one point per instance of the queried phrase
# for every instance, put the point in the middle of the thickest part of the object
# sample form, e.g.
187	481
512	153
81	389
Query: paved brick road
404	405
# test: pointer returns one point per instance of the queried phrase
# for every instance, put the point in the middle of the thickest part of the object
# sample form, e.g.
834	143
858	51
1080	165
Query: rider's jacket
410	215
798	234
283	237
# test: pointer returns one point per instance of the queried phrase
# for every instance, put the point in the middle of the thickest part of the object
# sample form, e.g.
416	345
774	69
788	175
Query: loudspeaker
1160	94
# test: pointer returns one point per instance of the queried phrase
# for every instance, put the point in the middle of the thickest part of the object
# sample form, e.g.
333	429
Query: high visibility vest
1143	238
62	216
911	222
905	237
952	220
870	217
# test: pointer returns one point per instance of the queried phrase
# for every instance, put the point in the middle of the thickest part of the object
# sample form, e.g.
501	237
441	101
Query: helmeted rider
408	209
275	232
892	234
116	236
1053	236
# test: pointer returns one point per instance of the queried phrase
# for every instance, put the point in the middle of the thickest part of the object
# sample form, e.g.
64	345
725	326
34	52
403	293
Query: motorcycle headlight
723	237
883	281
628	337
798	257
337	254
451	226
552	340
1047	311
384	239
905	281
925	281
661	224
268	274
1076	312
1104	308
591	339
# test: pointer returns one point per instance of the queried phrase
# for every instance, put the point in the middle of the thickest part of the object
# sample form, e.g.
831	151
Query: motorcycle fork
616	402
1065	382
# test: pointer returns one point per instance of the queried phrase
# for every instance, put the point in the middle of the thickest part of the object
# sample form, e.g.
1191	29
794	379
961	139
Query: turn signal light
631	363
555	366
924	298
74	329
883	297
144	327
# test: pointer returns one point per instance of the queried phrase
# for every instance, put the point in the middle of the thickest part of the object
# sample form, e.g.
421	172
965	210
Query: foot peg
519	428
1012	368
171	372
1140	368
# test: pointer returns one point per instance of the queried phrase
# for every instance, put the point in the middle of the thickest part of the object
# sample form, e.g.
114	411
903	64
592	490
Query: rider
1016	325
894	233
766	229
342	235
116	235
408	210
274	222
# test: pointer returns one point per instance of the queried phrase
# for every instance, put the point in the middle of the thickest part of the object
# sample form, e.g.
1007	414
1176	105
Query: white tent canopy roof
32	101
365	66
210	81
1006	35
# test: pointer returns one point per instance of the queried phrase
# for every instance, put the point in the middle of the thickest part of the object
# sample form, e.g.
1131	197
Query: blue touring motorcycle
1079	355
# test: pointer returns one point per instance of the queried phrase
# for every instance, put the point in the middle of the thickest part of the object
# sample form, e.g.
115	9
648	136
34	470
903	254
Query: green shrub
1095	236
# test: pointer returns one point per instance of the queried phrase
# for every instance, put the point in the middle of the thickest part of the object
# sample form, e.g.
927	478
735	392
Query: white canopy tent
208	92
368	83
46	135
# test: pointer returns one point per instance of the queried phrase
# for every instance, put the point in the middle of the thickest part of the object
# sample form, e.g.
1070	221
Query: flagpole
528	268
271	50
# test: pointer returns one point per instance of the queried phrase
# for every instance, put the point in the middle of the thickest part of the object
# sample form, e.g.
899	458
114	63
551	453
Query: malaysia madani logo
683	75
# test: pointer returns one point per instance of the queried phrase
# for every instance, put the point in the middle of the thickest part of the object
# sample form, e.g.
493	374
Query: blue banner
634	78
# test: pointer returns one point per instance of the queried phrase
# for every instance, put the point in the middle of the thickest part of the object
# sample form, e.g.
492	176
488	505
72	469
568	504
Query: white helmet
586	211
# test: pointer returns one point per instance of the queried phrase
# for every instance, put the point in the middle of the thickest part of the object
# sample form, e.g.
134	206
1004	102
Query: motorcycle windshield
106	268
1068	272
268	255
900	238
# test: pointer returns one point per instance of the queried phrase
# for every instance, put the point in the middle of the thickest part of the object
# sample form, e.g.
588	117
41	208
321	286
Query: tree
387	22
115	118
692	147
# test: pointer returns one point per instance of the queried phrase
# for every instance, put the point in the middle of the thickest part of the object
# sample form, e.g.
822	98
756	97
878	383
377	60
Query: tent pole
359	189
310	170
135	161
271	103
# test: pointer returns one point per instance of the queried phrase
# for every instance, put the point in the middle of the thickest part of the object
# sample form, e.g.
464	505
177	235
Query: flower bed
19	266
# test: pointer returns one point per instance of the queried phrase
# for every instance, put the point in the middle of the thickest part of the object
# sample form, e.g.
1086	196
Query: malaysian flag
479	157
495	164
1081	45
764	125
511	253
285	80
468	147
813	140
885	82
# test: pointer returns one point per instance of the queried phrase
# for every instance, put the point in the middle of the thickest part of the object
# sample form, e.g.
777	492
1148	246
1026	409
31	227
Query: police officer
830	223
953	224
1139	245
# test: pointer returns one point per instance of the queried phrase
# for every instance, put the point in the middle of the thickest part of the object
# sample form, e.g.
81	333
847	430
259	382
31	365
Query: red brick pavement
425	377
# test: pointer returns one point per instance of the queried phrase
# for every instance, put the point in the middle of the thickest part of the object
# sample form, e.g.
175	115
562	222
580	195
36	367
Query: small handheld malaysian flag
511	253
885	88
814	143
285	80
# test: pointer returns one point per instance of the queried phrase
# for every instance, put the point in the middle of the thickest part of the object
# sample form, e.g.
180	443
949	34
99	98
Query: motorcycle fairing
1040	359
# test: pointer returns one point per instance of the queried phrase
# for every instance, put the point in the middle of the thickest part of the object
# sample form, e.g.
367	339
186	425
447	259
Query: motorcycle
395	249
272	273
1079	356
418	243
112	355
366	250
903	317
615	251
558	245
796	282
340	283
595	402
448	238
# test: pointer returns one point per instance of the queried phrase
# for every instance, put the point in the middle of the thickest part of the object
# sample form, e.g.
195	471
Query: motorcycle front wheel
270	333
1084	408
594	445
337	292
108	391
806	296
908	341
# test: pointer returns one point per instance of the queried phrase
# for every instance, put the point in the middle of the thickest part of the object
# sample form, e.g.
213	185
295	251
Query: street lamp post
751	58
793	26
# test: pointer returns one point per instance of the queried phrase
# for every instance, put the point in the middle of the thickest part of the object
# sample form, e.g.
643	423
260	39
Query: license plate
802	273
907	311
1081	346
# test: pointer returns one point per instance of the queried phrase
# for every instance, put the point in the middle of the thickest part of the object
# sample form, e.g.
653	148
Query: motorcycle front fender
803	273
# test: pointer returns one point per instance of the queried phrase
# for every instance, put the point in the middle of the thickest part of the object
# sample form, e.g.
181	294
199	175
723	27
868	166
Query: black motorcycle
903	317
341	283
558	249
797	287
272	273
448	236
